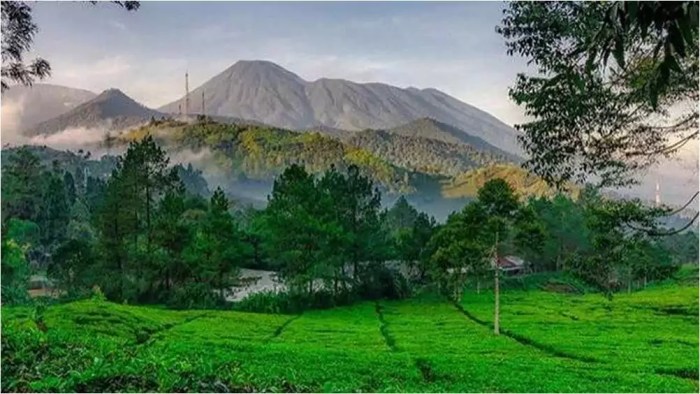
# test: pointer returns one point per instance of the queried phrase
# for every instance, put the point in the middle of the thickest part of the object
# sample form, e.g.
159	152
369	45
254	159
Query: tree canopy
595	120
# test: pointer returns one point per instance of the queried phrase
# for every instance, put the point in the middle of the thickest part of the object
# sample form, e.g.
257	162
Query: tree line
153	233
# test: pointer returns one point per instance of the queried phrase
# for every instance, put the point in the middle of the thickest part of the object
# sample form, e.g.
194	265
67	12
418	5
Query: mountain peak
111	109
263	91
263	68
112	93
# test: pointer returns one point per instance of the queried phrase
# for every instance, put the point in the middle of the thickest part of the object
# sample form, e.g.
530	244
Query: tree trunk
497	302
478	286
335	284
629	280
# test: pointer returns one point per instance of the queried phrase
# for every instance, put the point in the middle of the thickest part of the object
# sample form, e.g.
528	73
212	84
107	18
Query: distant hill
110	110
266	92
240	152
24	107
525	184
74	162
428	155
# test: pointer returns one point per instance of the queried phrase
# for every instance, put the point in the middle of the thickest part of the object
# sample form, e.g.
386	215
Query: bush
286	302
194	296
382	283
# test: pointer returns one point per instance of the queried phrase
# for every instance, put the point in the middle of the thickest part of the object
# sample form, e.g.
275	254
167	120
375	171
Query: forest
152	233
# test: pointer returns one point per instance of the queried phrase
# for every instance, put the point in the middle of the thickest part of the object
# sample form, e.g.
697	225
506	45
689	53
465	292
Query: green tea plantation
645	341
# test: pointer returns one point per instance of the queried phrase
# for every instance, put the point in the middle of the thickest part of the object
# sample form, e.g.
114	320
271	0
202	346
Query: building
512	265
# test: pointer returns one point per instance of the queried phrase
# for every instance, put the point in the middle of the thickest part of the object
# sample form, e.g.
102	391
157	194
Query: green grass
641	342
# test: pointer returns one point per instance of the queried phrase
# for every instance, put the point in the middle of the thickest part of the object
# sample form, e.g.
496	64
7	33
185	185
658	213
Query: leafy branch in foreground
595	120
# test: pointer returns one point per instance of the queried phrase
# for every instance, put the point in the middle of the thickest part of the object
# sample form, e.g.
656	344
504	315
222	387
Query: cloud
11	121
72	138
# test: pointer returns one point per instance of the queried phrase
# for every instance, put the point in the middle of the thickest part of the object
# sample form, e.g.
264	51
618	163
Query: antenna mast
204	113
187	94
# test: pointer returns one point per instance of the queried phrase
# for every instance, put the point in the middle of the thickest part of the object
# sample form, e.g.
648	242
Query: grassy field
642	342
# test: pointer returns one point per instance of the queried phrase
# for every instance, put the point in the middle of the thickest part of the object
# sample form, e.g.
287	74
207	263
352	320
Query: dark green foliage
672	26
69	185
460	250
594	117
325	233
54	213
683	246
21	185
73	267
549	231
217	247
193	180
15	273
293	302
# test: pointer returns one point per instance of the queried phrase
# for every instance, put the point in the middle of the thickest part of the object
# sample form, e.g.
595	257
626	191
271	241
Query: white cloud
72	138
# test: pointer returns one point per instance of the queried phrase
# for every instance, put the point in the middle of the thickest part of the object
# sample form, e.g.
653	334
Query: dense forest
152	232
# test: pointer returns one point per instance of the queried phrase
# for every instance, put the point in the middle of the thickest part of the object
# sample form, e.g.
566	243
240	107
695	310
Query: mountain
24	107
266	92
110	110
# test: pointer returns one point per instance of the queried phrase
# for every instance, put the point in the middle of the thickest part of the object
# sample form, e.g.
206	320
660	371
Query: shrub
383	283
194	295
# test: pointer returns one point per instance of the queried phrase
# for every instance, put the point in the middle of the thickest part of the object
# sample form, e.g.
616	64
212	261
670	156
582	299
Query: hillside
423	344
436	177
23	107
111	110
241	152
524	183
435	130
420	152
74	162
265	92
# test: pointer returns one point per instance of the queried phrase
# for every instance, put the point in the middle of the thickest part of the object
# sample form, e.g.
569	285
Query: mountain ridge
266	92
110	110
24	107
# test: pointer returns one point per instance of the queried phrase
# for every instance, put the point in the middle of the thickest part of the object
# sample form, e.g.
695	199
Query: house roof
510	262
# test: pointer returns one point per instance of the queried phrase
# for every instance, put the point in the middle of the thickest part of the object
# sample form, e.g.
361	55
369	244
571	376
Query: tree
295	228
549	230
360	203
412	243
15	272
222	243
69	185
126	216
54	215
501	206
617	229
21	185
72	265
172	235
401	216
112	223
459	250
18	31
596	118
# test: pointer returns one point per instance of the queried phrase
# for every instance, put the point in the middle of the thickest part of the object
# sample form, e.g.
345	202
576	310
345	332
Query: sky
449	46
